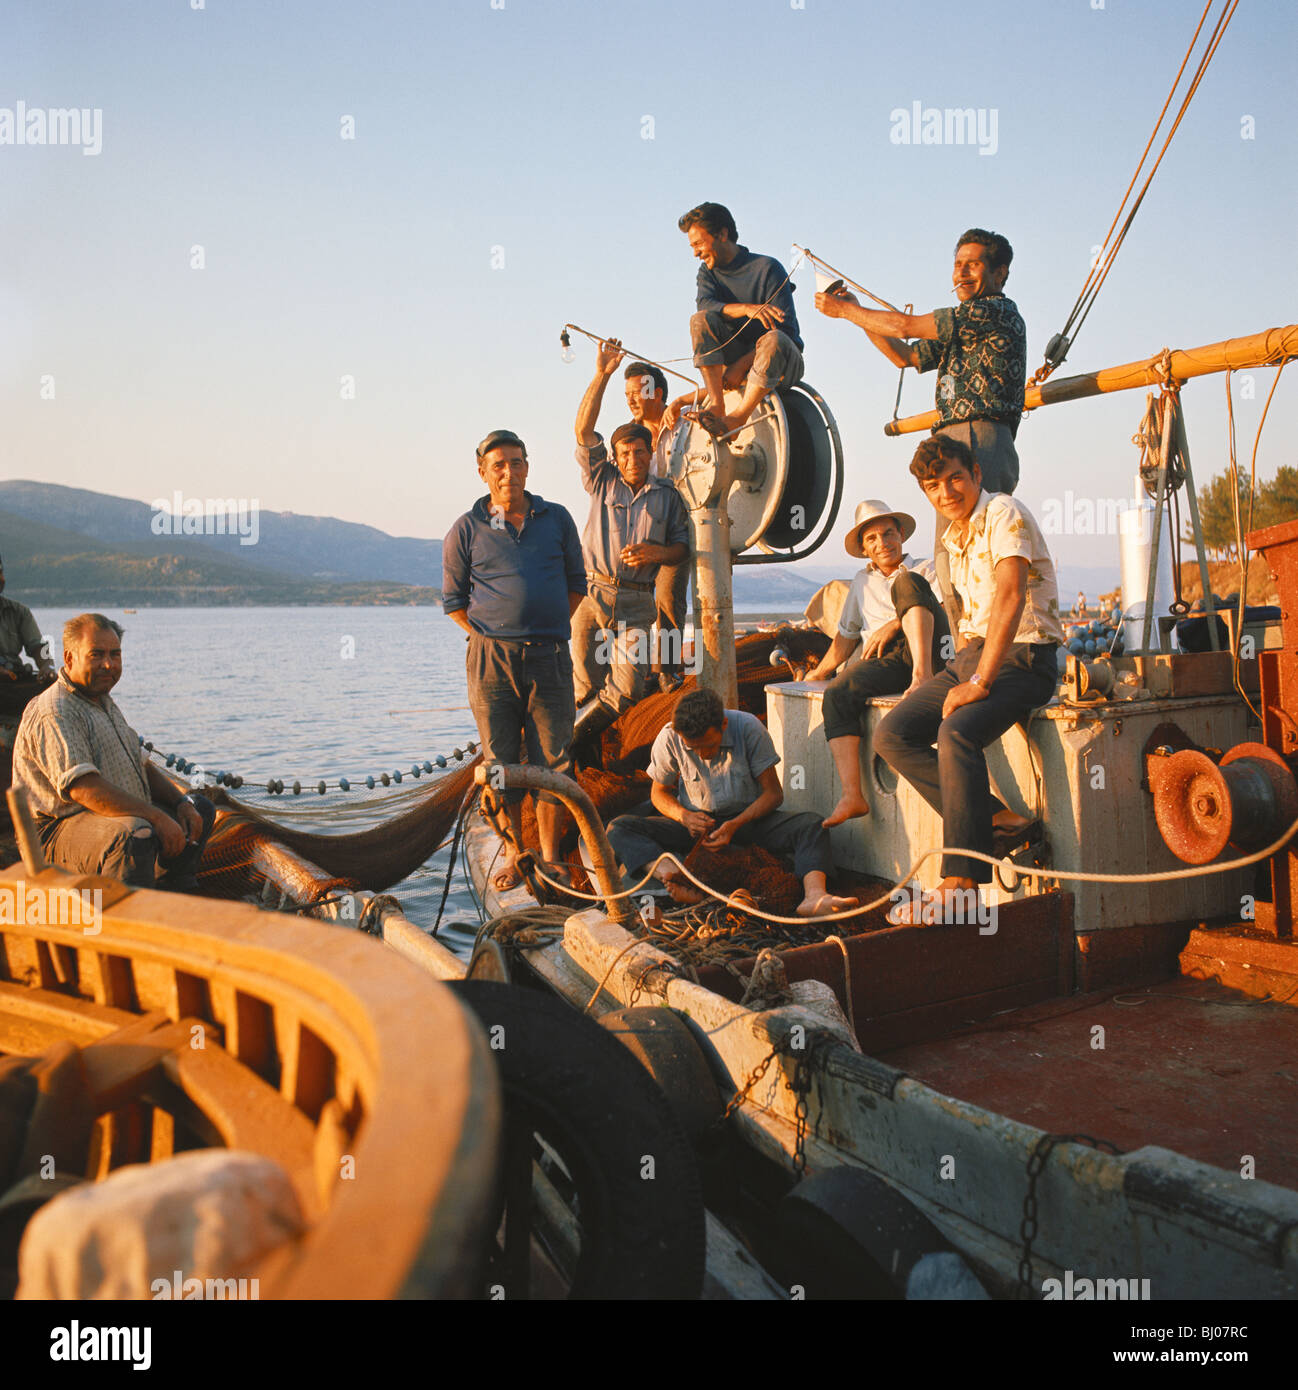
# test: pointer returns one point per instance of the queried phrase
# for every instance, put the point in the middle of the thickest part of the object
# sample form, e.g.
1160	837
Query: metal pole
1183	448
1164	452
608	878
714	613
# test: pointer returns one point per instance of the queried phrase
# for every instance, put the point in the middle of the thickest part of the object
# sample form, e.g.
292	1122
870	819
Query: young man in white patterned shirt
1006	666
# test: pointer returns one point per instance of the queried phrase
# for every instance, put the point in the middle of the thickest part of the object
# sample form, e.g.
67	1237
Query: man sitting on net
714	782
892	609
745	329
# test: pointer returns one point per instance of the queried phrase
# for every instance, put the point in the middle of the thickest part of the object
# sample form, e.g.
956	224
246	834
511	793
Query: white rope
1060	875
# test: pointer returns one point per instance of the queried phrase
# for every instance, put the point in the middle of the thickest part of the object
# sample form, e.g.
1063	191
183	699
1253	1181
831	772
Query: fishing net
249	849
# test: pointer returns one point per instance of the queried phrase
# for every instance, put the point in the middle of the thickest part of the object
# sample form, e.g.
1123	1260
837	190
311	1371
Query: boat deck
1186	1064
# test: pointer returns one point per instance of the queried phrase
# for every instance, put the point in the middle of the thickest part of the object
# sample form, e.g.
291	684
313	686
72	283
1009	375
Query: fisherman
100	805
745	331
979	349
1005	578
512	578
714	782
646	399
19	633
891	606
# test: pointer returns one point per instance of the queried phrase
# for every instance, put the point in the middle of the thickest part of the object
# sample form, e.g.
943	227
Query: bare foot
824	903
952	902
849	808
681	889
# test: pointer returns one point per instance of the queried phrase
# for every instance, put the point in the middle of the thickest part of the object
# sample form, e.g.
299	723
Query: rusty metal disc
1192	806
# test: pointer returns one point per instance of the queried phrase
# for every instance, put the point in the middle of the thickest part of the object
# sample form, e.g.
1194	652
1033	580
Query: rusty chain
1029	1226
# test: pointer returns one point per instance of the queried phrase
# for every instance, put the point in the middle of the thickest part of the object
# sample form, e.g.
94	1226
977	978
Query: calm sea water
306	694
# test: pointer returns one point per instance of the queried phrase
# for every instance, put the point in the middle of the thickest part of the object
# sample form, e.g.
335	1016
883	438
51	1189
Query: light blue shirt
727	783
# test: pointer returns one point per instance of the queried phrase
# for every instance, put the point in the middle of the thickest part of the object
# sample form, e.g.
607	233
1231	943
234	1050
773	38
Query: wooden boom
1266	349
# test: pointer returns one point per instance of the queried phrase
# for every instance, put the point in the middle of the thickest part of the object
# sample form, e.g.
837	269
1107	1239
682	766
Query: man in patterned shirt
1002	570
979	349
100	806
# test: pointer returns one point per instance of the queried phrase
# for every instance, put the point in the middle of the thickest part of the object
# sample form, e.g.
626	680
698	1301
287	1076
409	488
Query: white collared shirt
997	528
869	596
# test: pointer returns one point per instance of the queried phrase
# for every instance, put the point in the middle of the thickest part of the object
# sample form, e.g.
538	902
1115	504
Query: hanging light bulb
566	353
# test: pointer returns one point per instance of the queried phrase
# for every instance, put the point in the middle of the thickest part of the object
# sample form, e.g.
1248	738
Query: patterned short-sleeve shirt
981	353
997	528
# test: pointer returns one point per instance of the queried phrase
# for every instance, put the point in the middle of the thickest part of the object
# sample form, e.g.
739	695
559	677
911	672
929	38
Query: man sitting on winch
1003	574
745	329
646	399
892	609
100	805
637	524
715	783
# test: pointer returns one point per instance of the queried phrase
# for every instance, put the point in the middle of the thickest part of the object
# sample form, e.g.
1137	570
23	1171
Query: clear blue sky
520	127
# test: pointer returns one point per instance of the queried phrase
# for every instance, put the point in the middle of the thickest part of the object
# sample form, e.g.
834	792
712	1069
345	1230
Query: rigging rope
1057	348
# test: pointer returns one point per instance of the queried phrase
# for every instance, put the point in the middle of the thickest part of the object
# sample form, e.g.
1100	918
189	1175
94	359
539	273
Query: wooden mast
1264	349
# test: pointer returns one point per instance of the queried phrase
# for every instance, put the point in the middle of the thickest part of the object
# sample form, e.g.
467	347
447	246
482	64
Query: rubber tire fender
643	1224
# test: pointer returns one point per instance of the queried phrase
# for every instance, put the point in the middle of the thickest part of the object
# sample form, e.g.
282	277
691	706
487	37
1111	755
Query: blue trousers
952	777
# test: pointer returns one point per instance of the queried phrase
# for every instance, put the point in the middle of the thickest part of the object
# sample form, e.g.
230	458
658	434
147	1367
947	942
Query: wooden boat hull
369	1083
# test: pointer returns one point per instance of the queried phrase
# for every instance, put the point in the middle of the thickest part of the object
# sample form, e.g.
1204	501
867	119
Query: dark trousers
847	697
123	847
638	839
952	777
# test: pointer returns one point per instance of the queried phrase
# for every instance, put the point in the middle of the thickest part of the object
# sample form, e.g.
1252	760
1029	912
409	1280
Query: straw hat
871	510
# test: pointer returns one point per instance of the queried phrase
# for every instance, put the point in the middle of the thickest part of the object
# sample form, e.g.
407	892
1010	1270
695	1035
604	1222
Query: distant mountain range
70	547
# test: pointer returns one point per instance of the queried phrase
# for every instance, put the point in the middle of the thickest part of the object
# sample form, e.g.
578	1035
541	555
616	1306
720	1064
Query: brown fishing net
249	848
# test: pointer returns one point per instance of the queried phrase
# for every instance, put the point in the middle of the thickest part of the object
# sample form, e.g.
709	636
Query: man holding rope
714	781
646	399
980	351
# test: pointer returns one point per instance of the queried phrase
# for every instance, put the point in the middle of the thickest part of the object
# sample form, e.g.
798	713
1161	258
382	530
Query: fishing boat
1084	1088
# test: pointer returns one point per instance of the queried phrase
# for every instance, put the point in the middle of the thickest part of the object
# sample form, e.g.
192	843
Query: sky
414	198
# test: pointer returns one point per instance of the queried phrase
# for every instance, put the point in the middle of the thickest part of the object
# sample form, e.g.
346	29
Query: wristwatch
976	679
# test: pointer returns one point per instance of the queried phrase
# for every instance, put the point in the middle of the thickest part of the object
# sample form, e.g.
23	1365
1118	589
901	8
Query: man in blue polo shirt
745	331
512	577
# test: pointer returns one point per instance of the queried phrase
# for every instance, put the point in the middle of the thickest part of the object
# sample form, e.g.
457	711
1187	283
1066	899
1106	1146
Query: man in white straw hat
892	609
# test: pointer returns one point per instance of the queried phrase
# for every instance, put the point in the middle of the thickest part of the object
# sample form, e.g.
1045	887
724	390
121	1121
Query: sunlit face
504	470
881	541
633	457
708	744
709	249
95	662
972	276
641	396
954	492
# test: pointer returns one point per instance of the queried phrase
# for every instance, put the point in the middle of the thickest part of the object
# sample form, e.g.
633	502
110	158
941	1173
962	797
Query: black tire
573	1084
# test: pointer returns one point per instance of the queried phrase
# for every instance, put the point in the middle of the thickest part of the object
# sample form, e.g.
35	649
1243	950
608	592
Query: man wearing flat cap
891	608
512	577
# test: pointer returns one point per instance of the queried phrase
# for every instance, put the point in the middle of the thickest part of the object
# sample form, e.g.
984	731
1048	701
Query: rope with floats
276	786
